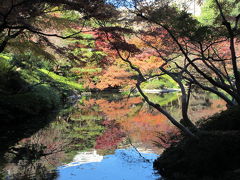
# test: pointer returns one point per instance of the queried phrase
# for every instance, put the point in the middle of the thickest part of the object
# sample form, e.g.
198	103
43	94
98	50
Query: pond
103	136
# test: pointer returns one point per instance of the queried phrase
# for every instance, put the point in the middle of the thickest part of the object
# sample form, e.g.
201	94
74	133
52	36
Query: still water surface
103	136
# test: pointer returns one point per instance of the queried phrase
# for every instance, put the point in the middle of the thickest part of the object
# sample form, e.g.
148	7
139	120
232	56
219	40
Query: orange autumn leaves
115	72
113	77
118	74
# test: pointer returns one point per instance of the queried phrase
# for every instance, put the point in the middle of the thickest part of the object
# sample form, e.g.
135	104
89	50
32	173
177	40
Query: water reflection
102	124
123	164
37	156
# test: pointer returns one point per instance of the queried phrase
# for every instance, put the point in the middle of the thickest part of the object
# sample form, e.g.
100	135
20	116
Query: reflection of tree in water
128	118
37	156
83	127
102	123
114	111
131	117
205	105
202	104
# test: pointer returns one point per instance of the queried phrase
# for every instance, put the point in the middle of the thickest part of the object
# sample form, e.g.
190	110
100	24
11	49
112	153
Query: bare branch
232	47
177	79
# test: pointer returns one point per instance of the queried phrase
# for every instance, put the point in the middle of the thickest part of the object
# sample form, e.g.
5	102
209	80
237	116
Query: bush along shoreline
28	89
30	98
214	156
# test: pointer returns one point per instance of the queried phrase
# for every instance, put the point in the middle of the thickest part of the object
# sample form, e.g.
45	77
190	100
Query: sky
192	5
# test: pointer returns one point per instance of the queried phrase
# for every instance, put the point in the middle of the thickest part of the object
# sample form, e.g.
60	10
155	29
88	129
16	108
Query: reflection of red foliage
144	126
110	138
116	110
121	119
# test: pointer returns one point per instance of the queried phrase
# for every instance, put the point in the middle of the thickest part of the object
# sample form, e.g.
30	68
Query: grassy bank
215	156
31	88
63	80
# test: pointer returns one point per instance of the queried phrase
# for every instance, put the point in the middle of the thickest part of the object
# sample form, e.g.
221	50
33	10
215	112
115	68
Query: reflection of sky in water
125	164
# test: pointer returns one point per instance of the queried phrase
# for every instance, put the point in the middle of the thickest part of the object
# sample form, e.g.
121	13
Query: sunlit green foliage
61	79
85	70
160	83
163	100
71	15
5	65
210	13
